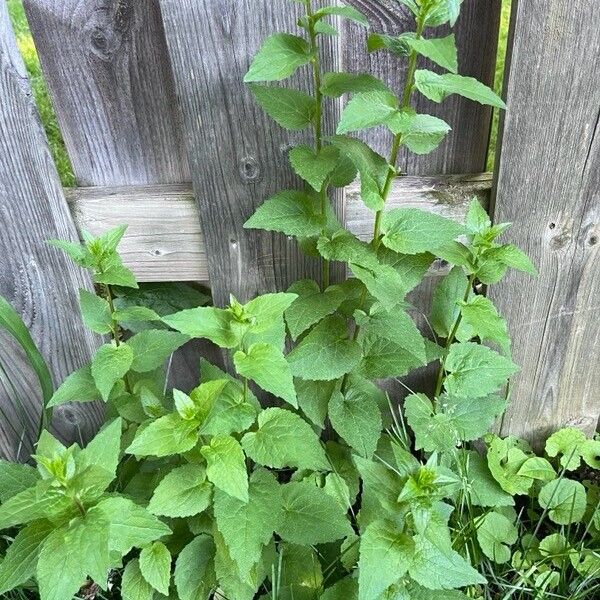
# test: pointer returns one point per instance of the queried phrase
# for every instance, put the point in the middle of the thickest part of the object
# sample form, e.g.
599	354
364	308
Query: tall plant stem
316	64
451	336
387	186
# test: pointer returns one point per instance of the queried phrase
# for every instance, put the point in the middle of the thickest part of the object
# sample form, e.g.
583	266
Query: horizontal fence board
38	280
552	130
164	241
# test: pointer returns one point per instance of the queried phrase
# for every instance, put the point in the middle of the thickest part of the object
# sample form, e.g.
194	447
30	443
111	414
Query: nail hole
552	225
593	240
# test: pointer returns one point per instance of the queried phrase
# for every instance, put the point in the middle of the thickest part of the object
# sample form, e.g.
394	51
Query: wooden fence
163	135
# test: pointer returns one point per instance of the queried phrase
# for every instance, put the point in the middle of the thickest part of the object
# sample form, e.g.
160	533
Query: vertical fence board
548	182
108	72
38	280
238	156
465	149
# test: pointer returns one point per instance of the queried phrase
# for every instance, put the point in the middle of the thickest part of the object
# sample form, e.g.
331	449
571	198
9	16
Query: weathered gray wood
38	280
164	241
237	154
107	68
552	129
465	149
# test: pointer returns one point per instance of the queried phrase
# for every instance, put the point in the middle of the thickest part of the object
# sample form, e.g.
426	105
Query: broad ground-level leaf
167	435
266	365
475	370
439	87
311	516
572	445
412	231
155	565
183	492
484	490
289	108
385	556
326	352
291	212
279	56
565	500
496	533
284	439
226	466
248	527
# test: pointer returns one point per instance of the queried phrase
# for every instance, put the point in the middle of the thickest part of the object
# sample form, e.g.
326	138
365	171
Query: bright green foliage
184	492
344	494
155	566
565	500
225	466
283	439
495	534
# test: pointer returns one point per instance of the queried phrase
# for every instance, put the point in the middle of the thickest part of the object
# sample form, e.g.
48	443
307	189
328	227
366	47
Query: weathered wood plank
108	71
552	129
238	156
164	241
465	149
38	280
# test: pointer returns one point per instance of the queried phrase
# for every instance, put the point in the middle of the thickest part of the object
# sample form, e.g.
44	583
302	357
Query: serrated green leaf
496	533
166	436
266	309
290	109
311	516
194	569
133	584
367	109
513	257
565	500
477	219
484	490
20	559
207	322
247	527
95	311
385	556
448	293
443	11
344	246
326	352
226	466
266	365
152	347
184	492
278	58
311	305
313	398
110	363
155	565
344	589
357	419
412	231
130	314
15	478
284	439
441	51
382	281
396	44
114	272
337	84
348	12
505	458
290	212
475	371
79	386
384	358
434	568
480	314
439	87
313	167
421	134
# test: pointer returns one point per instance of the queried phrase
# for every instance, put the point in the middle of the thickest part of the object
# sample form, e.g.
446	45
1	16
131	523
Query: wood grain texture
164	241
238	156
107	68
465	148
38	280
552	129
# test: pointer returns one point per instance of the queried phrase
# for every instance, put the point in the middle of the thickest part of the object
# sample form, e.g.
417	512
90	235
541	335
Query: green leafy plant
334	490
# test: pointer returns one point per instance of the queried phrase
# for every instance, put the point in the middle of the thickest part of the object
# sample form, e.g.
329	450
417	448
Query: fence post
40	282
548	181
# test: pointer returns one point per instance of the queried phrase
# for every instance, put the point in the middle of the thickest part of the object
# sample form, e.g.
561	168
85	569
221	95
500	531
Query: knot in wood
249	169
